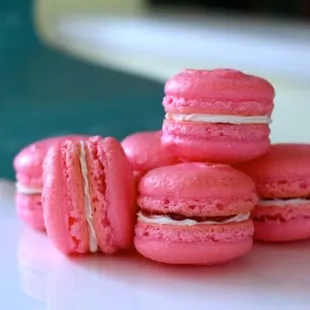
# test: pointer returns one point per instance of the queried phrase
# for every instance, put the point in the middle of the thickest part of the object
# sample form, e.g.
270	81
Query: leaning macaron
282	177
218	115
195	213
28	167
88	196
145	152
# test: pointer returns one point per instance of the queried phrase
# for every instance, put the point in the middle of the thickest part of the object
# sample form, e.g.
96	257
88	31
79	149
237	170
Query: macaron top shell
197	189
206	91
282	160
196	180
220	84
28	162
282	172
145	151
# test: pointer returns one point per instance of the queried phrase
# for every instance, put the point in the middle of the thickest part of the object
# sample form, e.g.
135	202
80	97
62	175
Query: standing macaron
282	177
145	152
28	167
88	196
195	213
217	115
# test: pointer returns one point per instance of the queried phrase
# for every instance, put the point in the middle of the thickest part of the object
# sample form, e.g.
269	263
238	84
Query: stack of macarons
195	192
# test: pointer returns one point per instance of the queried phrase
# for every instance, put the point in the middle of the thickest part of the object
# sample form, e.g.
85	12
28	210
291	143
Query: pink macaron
88	196
218	115
145	152
195	213
28	167
282	177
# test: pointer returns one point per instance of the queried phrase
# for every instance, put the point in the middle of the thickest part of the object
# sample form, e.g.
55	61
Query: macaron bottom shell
194	245
29	209
226	152
282	224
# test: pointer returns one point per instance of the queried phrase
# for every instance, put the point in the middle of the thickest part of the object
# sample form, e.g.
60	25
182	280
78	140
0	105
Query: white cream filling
295	202
214	118
27	190
165	220
93	243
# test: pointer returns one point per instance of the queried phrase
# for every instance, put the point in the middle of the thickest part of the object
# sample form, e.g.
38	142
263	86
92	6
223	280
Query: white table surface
35	276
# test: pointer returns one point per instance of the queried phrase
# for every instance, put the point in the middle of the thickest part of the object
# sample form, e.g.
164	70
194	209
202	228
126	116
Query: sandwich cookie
282	177
218	115
89	196
195	213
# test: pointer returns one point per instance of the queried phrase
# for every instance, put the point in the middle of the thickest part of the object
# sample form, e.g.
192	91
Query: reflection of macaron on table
92	282
28	167
282	178
36	257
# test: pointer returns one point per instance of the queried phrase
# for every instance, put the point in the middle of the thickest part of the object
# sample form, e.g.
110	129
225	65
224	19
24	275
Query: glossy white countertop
35	276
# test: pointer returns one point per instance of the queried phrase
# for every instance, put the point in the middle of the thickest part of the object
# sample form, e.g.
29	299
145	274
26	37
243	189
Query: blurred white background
128	35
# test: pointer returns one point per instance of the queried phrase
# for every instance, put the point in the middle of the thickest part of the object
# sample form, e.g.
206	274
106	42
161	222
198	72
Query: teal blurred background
44	92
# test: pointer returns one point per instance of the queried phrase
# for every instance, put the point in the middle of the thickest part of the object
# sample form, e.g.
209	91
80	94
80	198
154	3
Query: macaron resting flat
145	152
88	196
218	115
282	177
28	168
195	213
